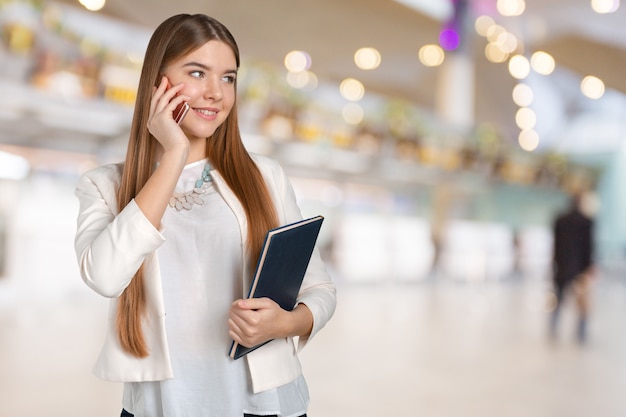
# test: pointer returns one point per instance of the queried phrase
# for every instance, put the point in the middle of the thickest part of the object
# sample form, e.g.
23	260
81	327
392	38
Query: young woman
172	236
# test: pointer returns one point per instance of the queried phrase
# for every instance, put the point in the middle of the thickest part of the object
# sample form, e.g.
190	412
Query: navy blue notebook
281	267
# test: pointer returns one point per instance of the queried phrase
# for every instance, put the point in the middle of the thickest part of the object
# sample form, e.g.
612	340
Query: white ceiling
582	42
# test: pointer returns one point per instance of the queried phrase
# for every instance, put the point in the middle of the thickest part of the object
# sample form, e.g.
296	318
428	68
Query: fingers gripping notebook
281	267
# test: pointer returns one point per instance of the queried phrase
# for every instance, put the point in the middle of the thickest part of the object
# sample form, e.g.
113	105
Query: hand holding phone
181	110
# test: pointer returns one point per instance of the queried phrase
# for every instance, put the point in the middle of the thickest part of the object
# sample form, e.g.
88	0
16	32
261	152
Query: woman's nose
213	89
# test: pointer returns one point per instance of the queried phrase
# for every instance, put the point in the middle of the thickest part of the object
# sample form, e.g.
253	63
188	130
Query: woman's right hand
161	122
155	195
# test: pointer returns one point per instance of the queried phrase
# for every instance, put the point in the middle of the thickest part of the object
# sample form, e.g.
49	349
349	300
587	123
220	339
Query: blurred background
439	138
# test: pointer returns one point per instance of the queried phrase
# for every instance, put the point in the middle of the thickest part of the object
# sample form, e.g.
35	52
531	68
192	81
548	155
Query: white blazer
111	245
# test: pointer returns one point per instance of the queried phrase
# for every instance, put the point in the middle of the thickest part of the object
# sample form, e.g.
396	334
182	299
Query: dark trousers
127	414
580	287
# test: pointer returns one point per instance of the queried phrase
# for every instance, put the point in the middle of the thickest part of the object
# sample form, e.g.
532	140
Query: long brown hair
174	38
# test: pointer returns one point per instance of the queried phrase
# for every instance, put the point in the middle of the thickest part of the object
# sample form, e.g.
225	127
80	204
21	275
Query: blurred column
455	91
454	106
455	83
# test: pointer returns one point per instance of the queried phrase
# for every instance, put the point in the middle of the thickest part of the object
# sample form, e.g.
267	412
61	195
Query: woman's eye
229	79
197	74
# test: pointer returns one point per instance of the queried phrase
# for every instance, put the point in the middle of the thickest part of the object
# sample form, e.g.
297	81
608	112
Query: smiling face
208	74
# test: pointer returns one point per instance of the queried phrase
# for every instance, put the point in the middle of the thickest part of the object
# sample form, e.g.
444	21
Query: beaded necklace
187	199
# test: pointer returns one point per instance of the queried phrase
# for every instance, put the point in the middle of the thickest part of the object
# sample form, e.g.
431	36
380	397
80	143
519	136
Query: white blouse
201	262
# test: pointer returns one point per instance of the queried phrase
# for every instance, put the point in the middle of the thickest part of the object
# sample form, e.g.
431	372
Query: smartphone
181	110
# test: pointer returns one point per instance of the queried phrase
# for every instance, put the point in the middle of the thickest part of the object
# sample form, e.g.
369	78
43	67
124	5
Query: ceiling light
449	39
493	32
605	6
511	7
495	54
296	61
482	24
367	58
507	42
302	79
352	89
352	113
592	87
528	140
525	118
93	5
542	62
431	55
519	67
523	95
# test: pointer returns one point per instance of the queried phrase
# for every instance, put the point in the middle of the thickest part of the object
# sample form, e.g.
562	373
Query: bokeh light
449	39
352	89
482	24
528	140
519	67
352	113
523	95
93	5
367	58
494	32
296	61
525	118
605	6
592	87
303	80
542	62
507	42
511	7
431	55
494	54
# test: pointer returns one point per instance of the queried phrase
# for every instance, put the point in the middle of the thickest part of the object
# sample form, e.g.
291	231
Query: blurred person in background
573	260
171	236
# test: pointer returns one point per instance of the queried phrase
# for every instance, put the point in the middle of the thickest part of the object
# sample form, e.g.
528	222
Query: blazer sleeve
318	292
110	245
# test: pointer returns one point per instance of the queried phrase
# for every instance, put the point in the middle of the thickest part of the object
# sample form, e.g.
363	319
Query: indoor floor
435	348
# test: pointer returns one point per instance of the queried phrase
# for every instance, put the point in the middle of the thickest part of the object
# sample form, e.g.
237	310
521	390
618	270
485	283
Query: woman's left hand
257	320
